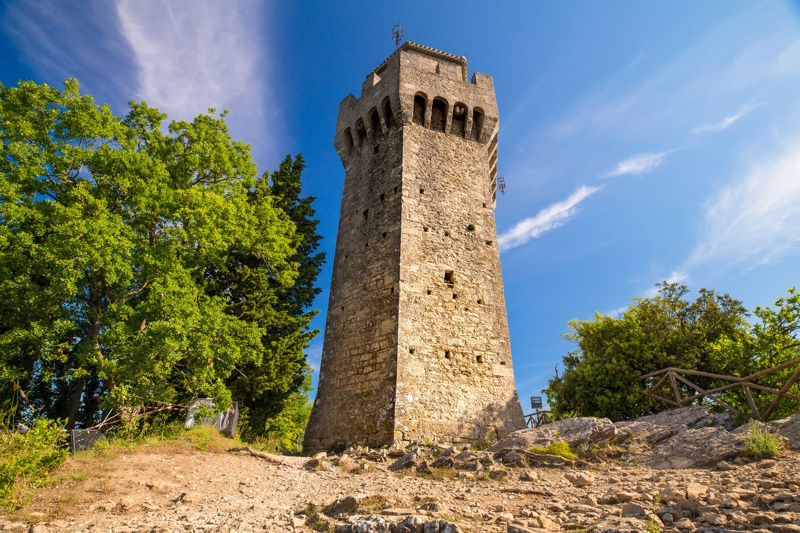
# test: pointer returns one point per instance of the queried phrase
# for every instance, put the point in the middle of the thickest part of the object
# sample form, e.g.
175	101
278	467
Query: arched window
388	115
439	114
348	141
375	122
477	124
361	131
420	103
459	119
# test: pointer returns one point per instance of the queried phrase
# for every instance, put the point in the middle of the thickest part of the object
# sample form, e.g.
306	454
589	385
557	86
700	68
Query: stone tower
416	340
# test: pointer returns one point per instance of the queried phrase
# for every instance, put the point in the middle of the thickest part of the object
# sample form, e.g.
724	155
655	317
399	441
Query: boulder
662	425
788	427
691	448
574	431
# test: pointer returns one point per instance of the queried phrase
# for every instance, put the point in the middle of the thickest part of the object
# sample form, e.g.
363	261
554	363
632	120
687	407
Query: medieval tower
416	340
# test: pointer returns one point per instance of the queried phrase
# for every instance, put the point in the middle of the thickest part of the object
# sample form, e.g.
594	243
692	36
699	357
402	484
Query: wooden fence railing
674	375
534	420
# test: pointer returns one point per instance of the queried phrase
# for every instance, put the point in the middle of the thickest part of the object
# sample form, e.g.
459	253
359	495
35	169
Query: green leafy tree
282	311
108	230
600	377
773	339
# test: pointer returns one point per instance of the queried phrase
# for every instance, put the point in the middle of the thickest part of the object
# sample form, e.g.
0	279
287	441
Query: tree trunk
75	403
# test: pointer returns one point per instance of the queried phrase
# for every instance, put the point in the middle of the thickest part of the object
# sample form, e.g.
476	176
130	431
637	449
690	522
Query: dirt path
189	490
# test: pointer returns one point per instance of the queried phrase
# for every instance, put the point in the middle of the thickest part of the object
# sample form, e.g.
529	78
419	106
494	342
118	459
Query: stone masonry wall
455	377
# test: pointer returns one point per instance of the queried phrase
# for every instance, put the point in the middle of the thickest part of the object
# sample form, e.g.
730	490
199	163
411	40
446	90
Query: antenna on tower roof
397	34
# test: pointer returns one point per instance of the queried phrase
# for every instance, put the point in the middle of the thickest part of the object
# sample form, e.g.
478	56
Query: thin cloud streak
551	217
723	124
636	165
755	220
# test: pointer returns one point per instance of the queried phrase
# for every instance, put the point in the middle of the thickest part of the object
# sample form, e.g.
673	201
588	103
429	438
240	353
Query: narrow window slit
480	359
448	277
447	354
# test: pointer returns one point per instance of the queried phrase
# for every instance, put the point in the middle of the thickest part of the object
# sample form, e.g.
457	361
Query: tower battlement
416	339
421	85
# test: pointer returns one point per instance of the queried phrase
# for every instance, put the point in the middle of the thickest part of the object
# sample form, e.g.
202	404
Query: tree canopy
711	334
144	263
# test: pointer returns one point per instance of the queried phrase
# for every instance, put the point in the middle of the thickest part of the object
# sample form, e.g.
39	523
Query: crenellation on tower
416	341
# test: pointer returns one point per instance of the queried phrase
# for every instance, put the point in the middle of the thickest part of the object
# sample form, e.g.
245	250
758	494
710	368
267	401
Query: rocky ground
677	471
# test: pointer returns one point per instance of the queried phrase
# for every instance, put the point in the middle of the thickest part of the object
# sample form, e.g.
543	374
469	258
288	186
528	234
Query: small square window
455	296
382	197
447	354
480	359
425	229
365	214
449	277
384	234
446	233
422	191
395	189
488	243
429	292
411	350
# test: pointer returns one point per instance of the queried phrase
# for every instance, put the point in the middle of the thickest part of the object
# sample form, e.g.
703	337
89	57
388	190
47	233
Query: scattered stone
684	524
517	527
724	466
695	490
444	461
616	524
498	474
579	479
409	460
632	509
715	519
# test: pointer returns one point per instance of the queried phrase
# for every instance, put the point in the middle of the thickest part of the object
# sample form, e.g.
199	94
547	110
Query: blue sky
640	141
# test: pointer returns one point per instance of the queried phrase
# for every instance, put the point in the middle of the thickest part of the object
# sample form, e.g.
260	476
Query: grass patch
438	474
760	443
27	461
557	448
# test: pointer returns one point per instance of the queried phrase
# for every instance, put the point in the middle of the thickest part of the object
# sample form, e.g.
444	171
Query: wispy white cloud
551	217
757	219
723	124
62	39
638	164
195	55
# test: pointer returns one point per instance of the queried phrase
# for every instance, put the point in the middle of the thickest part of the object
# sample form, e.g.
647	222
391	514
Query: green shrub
27	460
761	442
559	447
